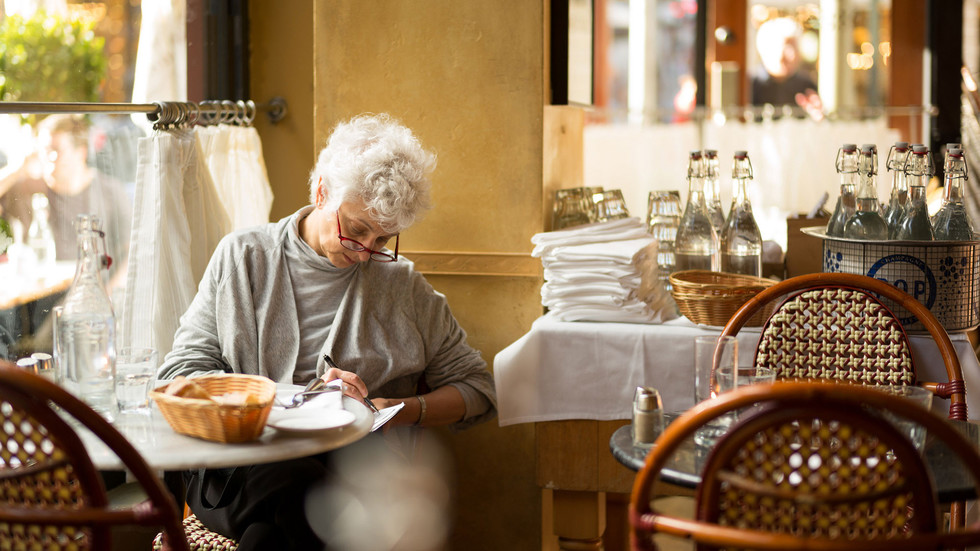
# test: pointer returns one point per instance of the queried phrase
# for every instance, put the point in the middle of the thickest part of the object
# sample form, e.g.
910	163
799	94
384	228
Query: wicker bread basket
711	298
210	420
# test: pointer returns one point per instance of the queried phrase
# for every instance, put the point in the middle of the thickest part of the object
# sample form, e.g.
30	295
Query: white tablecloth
588	370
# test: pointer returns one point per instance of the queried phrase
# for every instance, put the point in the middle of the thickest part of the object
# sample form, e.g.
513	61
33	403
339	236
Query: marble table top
684	468
164	449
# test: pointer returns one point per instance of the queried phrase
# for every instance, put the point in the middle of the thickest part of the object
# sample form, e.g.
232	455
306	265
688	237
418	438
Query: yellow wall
469	77
281	57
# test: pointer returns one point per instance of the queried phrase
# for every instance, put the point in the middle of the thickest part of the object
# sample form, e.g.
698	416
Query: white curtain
234	158
160	73
178	220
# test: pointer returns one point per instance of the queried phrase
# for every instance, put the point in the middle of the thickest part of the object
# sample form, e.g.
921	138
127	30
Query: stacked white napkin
591	272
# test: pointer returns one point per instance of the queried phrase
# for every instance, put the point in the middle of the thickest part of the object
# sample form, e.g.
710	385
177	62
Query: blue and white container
942	275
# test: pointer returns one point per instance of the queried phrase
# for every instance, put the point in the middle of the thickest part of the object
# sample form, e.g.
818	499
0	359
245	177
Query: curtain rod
275	108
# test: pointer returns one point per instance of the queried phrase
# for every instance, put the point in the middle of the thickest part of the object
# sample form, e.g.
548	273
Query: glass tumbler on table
916	395
135	375
710	354
730	378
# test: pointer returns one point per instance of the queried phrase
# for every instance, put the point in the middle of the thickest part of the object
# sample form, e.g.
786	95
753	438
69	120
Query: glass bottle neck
917	194
738	191
899	180
90	256
868	186
953	189
696	189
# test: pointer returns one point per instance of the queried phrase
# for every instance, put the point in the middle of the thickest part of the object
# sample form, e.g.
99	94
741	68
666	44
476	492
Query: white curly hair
377	160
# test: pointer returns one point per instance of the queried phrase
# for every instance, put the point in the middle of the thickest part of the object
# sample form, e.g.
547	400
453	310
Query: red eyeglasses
355	246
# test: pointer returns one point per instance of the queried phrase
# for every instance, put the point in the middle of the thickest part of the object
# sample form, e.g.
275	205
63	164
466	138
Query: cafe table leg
579	519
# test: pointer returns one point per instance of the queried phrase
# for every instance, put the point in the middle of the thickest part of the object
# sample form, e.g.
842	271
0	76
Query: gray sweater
391	326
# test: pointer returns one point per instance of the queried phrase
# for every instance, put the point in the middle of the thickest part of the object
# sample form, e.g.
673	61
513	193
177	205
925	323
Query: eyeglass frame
385	257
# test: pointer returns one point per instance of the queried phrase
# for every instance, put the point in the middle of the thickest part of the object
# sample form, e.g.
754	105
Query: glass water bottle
40	238
952	222
915	223
697	244
741	240
867	222
712	190
847	168
86	327
895	209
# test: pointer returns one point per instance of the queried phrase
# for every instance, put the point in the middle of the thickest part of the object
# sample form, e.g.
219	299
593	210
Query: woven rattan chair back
51	495
838	334
834	326
809	465
829	470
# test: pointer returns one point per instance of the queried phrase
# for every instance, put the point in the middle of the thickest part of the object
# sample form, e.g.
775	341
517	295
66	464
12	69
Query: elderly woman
328	280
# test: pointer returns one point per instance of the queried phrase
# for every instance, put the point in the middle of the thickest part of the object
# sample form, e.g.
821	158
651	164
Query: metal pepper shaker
45	366
648	416
28	364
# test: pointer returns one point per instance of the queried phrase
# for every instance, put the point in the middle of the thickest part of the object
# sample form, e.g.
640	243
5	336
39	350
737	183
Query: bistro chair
52	495
807	465
200	538
833	326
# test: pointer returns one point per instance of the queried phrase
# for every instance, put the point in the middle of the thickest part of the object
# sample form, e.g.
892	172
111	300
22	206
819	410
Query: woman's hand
353	385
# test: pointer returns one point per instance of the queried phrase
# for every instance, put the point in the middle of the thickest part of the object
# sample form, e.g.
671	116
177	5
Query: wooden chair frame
36	397
644	520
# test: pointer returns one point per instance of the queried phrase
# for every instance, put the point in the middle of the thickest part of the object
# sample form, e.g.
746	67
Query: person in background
328	281
60	169
781	81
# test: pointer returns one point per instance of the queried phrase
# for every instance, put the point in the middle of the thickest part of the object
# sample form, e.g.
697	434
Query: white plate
323	420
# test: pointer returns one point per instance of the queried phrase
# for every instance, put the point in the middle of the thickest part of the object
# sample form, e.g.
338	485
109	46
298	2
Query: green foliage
6	236
49	58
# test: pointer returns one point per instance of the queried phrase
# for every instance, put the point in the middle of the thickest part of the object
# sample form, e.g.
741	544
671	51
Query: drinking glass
711	351
135	373
573	207
610	205
917	395
663	219
56	349
728	377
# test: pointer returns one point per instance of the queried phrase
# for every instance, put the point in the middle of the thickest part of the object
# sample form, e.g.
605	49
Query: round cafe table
164	449
952	482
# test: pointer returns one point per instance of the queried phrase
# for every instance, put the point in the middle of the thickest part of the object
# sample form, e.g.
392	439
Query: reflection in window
55	167
646	63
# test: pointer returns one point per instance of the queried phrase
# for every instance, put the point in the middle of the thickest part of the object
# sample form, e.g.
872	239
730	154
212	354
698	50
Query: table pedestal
572	460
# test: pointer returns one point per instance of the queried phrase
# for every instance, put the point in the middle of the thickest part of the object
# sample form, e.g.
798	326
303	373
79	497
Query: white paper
385	415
